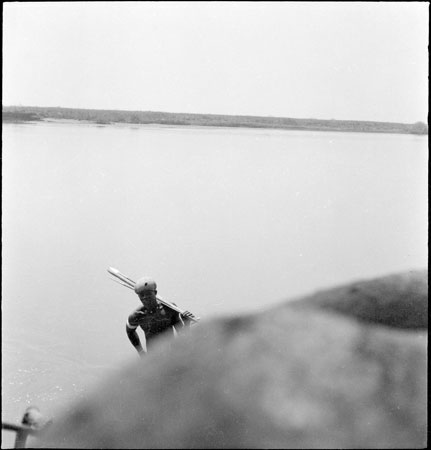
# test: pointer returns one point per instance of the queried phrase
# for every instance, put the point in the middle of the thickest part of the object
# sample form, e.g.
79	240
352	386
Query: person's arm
184	319
181	321
132	334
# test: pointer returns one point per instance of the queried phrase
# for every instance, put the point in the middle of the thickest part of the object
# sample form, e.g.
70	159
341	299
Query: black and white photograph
214	224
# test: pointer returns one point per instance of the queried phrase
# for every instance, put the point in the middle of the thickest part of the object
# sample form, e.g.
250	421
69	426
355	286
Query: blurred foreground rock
345	368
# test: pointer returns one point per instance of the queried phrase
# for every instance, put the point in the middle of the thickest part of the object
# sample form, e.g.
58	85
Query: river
226	221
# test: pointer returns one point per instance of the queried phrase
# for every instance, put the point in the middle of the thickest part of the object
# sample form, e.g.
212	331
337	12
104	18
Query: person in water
153	317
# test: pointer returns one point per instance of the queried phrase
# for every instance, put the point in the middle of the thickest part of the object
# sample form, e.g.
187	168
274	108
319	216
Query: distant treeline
15	116
30	113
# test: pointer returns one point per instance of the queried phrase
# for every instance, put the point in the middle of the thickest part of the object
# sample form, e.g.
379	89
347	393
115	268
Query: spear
129	283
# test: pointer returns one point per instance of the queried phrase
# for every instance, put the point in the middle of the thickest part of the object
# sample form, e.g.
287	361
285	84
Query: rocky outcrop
399	301
296	376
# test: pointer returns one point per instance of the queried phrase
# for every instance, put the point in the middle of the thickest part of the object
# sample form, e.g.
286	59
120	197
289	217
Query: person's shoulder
165	307
171	312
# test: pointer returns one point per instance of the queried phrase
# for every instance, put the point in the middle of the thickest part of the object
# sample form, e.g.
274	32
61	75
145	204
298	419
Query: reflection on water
225	220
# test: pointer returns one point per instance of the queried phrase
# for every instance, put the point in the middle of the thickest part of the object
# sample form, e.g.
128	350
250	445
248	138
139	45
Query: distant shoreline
176	126
22	114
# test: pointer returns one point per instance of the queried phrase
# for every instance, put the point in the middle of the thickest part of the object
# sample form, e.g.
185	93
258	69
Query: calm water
226	220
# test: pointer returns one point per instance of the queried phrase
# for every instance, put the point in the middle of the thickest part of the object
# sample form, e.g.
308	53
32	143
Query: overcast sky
363	61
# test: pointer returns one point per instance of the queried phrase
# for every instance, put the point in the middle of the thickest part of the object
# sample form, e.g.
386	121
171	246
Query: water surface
226	221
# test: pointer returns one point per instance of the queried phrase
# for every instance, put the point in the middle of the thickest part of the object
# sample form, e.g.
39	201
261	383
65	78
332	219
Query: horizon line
211	114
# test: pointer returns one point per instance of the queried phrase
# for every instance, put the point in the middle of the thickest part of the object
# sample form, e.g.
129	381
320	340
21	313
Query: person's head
146	288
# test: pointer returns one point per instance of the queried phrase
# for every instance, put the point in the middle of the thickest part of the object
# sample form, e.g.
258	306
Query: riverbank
18	114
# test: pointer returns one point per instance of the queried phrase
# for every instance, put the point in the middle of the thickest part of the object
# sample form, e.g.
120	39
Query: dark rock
399	301
291	377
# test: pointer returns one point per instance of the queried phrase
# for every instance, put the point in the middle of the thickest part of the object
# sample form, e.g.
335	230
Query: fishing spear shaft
129	283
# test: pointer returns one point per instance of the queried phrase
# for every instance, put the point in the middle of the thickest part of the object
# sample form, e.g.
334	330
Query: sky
323	60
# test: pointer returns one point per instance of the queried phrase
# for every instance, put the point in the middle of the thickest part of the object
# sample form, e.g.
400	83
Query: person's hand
188	315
